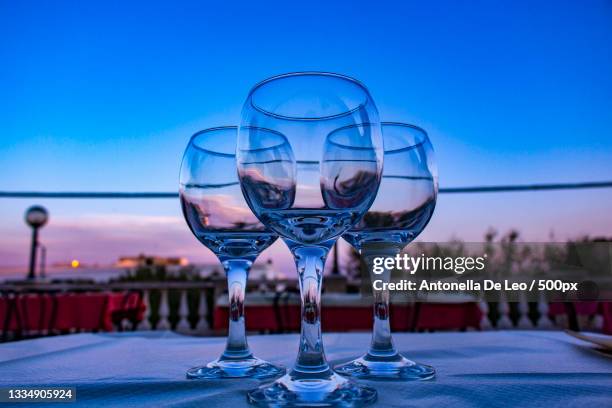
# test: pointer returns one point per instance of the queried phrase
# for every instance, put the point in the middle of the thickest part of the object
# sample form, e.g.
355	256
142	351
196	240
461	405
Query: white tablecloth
486	369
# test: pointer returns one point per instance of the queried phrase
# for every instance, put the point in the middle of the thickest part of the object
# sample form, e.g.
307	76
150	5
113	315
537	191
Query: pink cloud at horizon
102	239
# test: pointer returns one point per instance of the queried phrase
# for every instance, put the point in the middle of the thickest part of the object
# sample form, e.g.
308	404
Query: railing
186	307
174	195
524	321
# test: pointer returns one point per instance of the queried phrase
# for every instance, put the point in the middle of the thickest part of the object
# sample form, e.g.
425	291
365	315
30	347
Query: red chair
126	307
447	316
9	319
40	313
605	308
588	308
36	313
82	312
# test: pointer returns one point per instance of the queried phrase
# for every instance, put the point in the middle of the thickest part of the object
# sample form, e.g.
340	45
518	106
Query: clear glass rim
349	79
243	128
423	138
355	125
200	133
192	140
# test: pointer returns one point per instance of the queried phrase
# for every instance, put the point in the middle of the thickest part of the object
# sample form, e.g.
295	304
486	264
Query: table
489	369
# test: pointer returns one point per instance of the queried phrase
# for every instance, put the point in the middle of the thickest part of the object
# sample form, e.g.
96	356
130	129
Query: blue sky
104	96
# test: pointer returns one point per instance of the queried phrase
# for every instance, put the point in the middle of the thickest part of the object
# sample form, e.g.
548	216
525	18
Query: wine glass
404	205
310	184
218	216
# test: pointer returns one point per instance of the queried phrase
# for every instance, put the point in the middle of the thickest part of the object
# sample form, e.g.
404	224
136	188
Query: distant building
145	260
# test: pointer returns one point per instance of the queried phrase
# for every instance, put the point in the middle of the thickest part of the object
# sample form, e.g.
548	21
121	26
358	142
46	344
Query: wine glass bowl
309	182
404	205
215	211
408	190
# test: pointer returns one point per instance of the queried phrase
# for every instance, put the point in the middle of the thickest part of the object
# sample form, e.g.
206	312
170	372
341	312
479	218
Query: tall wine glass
405	203
310	185
218	216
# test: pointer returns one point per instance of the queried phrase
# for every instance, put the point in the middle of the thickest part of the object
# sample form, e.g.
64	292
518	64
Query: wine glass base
395	368
252	367
330	391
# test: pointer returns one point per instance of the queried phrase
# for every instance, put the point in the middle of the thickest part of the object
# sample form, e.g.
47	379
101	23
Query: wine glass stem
382	341
310	262
237	272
